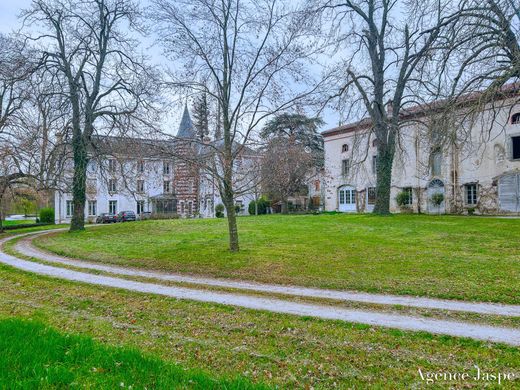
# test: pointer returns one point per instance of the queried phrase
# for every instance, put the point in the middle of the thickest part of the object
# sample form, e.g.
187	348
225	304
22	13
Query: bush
219	210
263	205
437	199
47	215
403	199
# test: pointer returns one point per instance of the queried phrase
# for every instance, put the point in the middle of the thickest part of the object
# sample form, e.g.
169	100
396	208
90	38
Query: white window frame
112	204
167	167
112	167
167	187
92	208
410	198
112	185
473	193
140	186
140	166
140	205
345	167
69	207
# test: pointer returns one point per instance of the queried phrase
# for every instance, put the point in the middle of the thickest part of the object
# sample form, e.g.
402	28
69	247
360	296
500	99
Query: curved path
452	328
26	248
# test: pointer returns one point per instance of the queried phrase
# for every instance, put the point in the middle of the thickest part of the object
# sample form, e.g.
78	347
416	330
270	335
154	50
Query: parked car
106	218
125	216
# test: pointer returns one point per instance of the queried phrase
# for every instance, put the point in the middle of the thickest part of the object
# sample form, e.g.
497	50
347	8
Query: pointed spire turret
186	129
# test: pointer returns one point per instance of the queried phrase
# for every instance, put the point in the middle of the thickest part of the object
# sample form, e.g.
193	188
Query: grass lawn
224	343
469	258
18	222
35	356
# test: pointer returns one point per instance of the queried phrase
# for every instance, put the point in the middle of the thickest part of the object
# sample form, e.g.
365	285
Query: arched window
375	143
344	148
436	162
515	118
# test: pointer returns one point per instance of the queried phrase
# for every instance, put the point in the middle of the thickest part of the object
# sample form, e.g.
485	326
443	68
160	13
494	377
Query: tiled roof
426	109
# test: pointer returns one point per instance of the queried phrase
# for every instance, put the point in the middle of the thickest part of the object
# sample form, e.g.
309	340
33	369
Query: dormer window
166	167
344	148
112	165
515	119
375	143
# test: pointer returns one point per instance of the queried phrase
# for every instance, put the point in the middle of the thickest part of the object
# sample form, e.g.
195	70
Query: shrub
263	205
47	215
403	199
471	210
437	198
219	210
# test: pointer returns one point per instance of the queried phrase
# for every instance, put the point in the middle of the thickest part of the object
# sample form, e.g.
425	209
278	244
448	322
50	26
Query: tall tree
286	169
245	55
297	128
201	116
385	69
88	49
485	50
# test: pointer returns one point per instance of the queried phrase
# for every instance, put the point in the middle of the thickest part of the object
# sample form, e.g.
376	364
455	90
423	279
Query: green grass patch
229	342
18	222
456	257
33	355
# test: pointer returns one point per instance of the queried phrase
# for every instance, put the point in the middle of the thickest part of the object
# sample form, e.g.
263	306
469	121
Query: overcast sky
9	22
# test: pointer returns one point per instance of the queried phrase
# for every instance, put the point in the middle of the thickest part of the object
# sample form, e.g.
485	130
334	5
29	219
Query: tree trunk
79	183
232	222
385	160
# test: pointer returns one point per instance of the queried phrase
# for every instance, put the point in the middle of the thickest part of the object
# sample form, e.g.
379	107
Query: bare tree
485	50
285	170
16	67
88	49
246	56
386	69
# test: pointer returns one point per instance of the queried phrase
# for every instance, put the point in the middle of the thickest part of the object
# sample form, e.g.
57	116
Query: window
316	185
344	148
190	207
375	143
371	195
471	194
140	186
92	207
112	185
70	208
166	186
436	162
345	167
515	118
166	167
112	206
240	205
409	191
374	165
515	147
182	207
140	166
92	167
112	165
140	207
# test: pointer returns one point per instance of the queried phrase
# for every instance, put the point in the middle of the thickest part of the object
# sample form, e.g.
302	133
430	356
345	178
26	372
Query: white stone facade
474	163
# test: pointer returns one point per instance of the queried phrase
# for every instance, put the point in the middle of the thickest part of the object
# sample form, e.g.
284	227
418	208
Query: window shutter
508	191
